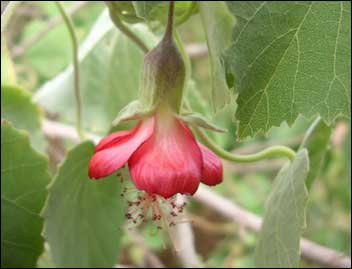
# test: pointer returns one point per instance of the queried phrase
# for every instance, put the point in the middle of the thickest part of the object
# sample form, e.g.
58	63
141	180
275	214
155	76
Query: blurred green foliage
329	206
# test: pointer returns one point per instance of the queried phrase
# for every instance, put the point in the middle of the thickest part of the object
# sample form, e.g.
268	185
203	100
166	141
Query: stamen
165	213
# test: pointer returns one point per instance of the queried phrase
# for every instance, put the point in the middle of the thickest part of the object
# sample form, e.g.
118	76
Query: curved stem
74	40
264	154
187	14
8	12
124	29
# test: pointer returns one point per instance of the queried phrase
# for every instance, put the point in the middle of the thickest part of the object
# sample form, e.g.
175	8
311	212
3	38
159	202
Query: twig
55	129
183	233
151	258
309	250
7	14
20	50
197	51
339	134
210	226
125	266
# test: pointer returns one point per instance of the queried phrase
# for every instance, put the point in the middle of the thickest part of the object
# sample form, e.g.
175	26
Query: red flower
162	155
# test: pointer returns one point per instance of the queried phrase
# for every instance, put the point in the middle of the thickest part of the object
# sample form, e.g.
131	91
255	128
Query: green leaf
316	141
110	67
284	218
24	179
48	47
54	44
83	217
18	108
290	58
218	23
132	111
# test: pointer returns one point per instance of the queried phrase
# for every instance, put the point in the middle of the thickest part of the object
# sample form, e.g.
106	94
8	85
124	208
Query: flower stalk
124	29
261	155
74	40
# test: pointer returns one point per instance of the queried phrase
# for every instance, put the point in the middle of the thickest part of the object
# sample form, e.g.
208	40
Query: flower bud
163	75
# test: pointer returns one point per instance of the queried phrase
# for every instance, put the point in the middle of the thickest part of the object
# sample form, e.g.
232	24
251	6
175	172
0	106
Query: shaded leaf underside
284	218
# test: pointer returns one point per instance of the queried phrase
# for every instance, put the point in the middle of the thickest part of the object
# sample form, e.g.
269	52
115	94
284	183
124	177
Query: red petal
169	162
113	138
212	167
107	160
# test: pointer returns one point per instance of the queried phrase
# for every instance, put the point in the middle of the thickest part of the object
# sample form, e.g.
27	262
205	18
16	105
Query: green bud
163	75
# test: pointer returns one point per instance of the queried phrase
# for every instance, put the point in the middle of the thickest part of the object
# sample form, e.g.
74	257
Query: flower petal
113	138
169	162
212	167
107	160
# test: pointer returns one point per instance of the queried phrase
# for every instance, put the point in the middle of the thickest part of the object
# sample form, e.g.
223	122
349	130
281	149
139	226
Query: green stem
170	22
187	14
71	30
8	12
124	29
264	154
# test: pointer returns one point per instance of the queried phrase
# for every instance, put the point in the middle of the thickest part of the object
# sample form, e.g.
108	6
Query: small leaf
316	141
218	23
199	120
83	217
24	179
290	58
18	108
134	110
284	218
